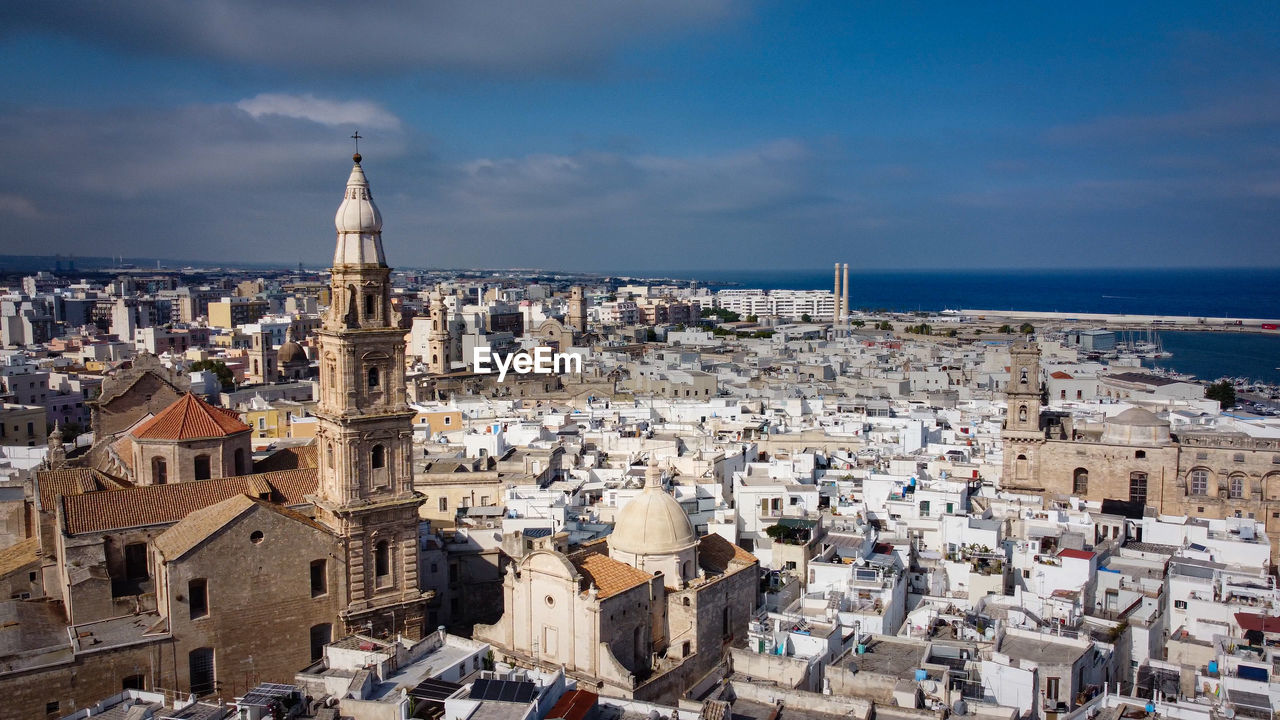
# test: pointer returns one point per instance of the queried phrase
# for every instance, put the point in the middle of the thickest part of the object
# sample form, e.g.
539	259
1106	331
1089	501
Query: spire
359	224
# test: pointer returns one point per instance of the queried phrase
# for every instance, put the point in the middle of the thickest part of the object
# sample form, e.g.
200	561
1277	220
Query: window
321	635
368	306
51	707
1238	457
1138	488
159	471
448	420
1180	604
382	563
924	508
1020	467
133	682
203	469
1140	455
319	578
198	598
240	468
378	457
1202	454
135	561
1051	688
1080	481
200	666
373	377
1199	484
1237	487
444	504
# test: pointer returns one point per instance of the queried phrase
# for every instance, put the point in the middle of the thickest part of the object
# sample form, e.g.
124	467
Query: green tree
805	318
859	323
1026	328
1222	391
752	318
219	368
1006	329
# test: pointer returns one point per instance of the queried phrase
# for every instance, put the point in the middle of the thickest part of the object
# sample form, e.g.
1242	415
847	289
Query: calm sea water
1198	293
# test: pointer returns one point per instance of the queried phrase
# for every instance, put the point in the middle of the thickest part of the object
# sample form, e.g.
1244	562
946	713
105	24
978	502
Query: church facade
644	613
1134	457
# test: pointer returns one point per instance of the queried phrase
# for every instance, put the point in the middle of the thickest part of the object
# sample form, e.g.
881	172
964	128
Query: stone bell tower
438	341
364	431
1022	435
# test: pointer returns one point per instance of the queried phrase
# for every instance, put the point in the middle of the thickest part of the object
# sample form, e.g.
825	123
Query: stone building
645	613
161	560
1135	457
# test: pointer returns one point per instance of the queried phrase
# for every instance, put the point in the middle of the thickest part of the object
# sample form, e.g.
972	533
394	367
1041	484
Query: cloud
18	206
358	113
509	36
1227	115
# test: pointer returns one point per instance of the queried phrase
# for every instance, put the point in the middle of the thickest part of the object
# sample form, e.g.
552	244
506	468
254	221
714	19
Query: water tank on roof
922	675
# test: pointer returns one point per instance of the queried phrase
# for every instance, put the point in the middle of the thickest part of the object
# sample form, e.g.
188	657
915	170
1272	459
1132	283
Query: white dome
359	224
1136	426
357	213
653	523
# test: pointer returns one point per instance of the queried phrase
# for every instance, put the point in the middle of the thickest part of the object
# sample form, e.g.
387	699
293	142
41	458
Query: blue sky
624	136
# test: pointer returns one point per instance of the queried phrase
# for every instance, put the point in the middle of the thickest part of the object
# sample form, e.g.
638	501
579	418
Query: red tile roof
189	418
573	705
1259	623
1077	554
167	504
1060	375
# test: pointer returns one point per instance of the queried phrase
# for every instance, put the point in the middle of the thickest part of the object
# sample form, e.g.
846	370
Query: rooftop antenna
356	137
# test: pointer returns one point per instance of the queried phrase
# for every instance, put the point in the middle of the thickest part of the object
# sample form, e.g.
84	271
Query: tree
219	368
859	323
752	318
805	318
1222	391
1026	328
1006	329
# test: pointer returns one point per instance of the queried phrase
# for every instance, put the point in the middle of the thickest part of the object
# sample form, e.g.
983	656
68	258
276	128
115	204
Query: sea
1209	293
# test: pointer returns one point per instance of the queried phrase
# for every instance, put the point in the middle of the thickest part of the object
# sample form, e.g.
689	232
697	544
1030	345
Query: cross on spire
356	136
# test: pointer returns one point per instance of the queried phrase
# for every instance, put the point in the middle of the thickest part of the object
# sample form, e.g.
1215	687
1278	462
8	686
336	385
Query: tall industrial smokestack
844	304
835	297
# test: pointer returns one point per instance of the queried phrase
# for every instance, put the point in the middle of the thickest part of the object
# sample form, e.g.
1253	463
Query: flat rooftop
888	657
1043	650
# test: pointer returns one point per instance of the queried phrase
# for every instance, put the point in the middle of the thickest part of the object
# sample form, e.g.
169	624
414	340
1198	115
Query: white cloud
356	113
18	206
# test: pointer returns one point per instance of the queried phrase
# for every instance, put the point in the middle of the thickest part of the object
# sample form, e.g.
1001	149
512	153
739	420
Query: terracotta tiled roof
1259	623
166	504
189	418
1059	375
1077	554
124	450
16	557
610	576
573	705
289	458
200	524
716	555
69	481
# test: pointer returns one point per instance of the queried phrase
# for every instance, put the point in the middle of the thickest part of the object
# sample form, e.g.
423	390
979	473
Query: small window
1180	604
382	563
1237	487
159	471
378	457
369	306
51	707
198	596
373	377
203	467
255	537
444	504
1238	457
1140	455
319	578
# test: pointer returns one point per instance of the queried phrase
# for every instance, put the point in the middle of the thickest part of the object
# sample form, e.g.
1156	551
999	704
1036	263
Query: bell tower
438	340
364	430
1023	436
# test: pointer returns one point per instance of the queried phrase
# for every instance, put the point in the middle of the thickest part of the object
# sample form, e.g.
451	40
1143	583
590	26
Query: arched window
328	455
1022	413
1199	484
373	377
1023	379
1237	487
159	471
1138	488
382	563
1080	481
378	457
1020	467
203	468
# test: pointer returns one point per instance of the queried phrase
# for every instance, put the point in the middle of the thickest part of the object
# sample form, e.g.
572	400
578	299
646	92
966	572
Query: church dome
653	523
1136	426
357	213
291	353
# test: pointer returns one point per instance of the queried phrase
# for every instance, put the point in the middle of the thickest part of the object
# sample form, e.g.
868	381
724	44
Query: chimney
844	304
835	296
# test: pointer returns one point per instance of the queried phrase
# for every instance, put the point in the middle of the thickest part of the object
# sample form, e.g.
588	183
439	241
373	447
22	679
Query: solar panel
433	689
512	691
